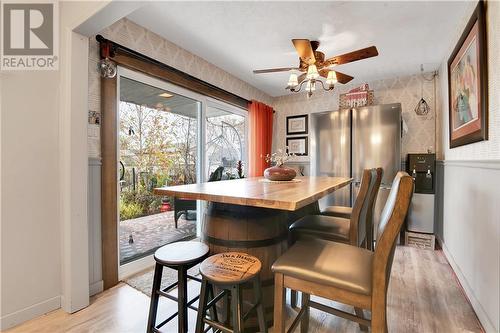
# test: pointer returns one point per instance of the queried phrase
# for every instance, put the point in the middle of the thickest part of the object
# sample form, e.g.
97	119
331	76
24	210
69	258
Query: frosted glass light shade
292	81
332	78
312	72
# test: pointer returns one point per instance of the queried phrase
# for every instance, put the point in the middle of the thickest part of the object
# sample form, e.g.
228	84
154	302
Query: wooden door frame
133	60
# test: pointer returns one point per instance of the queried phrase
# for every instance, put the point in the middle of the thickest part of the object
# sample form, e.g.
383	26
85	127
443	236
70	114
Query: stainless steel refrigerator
345	142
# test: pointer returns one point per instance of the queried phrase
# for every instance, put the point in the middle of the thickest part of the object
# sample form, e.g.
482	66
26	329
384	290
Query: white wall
470	225
43	156
30	237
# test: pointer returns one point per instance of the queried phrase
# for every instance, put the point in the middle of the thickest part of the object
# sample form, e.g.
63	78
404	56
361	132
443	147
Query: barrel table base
261	232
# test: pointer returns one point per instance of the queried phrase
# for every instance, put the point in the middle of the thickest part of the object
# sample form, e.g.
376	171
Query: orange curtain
261	137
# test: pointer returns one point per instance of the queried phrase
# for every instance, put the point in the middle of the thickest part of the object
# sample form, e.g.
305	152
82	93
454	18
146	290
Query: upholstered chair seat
322	227
338	211
332	265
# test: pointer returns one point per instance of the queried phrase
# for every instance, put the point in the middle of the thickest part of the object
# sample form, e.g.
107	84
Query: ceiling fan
313	65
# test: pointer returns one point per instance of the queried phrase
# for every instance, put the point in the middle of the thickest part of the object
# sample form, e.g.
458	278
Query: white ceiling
241	36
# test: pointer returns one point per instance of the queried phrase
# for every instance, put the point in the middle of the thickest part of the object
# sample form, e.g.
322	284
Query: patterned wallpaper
421	133
485	149
127	33
406	90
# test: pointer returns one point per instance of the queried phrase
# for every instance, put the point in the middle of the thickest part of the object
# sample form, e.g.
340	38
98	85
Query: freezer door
331	147
376	142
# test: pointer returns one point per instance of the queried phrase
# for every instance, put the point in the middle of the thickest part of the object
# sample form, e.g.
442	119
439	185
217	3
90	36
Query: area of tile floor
150	232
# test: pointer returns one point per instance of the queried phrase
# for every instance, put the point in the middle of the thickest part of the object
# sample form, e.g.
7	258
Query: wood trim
336	294
109	181
134	60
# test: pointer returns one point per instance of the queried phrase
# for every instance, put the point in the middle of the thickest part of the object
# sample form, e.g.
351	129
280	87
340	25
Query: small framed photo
296	124
468	83
297	145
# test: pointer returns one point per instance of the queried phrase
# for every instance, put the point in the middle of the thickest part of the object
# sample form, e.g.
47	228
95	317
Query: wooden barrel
261	232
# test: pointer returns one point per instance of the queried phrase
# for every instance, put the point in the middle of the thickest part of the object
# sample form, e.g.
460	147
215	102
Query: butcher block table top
259	193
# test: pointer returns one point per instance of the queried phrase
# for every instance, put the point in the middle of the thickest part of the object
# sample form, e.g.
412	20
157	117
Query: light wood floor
424	296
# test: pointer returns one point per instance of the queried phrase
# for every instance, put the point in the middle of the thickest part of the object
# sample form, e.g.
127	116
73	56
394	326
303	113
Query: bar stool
229	271
179	256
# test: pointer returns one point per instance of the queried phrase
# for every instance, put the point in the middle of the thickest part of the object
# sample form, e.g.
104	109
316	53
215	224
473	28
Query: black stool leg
153	307
182	300
236	306
202	303
260	308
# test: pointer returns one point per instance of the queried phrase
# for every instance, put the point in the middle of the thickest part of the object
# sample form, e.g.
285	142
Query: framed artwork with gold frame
468	83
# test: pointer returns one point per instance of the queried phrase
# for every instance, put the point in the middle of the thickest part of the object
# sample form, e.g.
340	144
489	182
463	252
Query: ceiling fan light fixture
311	86
331	78
312	72
293	81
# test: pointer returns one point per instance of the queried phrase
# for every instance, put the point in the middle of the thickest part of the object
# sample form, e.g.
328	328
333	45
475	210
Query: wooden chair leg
379	319
260	308
201	307
304	304
153	307
359	312
279	303
236	306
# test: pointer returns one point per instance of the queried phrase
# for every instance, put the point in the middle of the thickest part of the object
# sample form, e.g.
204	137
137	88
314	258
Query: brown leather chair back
367	215
357	227
391	220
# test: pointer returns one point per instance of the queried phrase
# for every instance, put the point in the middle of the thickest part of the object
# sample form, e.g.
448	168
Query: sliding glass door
158	146
169	136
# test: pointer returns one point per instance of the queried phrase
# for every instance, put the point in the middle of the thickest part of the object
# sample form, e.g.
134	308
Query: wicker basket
355	99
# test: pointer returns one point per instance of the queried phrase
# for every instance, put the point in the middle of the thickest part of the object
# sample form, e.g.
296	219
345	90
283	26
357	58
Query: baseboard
481	314
96	288
30	312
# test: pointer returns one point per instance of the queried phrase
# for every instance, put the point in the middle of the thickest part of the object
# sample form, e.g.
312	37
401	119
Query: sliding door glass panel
157	147
225	145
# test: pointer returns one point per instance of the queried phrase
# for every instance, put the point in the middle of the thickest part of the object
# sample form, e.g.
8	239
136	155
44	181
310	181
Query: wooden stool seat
230	268
228	272
181	253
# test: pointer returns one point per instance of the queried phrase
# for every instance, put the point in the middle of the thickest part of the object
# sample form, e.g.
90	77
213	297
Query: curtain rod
113	47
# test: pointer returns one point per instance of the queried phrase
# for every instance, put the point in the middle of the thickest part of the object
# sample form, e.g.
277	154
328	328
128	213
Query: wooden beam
109	183
134	60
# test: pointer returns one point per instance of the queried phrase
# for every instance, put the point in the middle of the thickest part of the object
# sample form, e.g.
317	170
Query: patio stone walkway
151	232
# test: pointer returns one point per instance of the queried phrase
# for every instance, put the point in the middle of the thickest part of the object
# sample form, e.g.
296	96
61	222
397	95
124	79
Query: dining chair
356	230
344	273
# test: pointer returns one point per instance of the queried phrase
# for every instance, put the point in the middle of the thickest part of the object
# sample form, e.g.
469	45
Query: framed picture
296	124
297	145
468	83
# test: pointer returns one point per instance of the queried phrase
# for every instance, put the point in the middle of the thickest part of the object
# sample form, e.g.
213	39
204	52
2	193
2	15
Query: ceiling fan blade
305	51
341	77
352	56
273	70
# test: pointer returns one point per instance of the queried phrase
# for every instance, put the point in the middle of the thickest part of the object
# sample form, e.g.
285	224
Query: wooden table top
258	193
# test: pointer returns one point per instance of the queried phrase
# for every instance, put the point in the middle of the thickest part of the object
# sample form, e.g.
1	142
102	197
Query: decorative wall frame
297	145
297	124
468	83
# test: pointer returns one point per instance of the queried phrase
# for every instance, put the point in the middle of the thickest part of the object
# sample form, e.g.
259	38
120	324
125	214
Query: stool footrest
217	325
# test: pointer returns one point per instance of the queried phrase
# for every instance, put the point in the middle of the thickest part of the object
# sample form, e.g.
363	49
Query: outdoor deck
150	232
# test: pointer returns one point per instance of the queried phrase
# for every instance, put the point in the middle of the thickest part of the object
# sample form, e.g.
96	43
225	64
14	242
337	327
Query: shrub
130	210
